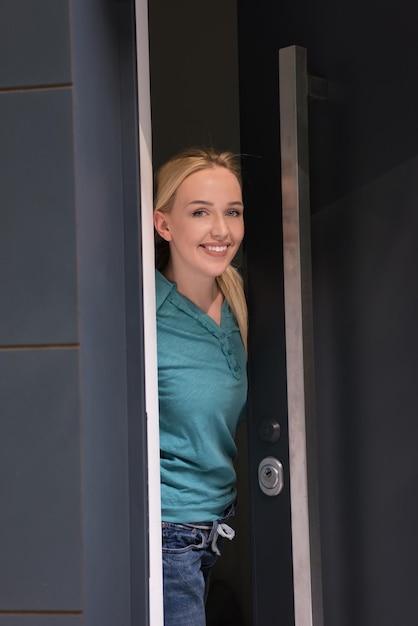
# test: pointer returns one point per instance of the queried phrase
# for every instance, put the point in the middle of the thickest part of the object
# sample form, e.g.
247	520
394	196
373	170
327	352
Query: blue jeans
189	552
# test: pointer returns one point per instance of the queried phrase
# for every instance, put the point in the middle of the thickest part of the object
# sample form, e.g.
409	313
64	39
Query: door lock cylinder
270	476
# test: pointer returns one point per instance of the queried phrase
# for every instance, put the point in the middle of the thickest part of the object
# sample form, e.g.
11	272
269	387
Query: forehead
211	180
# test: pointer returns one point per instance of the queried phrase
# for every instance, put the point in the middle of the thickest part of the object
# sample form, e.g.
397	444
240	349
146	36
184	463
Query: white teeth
217	248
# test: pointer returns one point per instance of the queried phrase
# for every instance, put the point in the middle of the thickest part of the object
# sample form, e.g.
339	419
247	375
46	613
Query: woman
202	335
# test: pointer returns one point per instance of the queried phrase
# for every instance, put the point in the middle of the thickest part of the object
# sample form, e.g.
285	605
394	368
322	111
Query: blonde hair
168	179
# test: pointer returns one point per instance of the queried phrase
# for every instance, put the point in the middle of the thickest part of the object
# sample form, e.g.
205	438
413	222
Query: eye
199	213
234	213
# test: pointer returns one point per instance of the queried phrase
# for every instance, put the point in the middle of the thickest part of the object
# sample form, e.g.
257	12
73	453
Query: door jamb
150	333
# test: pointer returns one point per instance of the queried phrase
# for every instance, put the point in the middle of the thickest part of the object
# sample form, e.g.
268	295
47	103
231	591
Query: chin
218	271
216	268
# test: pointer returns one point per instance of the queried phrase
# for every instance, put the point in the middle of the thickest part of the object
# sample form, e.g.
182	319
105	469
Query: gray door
283	464
363	168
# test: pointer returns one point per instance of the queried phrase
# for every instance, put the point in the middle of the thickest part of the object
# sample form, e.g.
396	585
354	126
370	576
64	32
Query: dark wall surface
364	189
194	76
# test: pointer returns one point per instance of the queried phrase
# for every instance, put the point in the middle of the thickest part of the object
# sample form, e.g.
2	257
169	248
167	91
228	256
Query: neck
204	293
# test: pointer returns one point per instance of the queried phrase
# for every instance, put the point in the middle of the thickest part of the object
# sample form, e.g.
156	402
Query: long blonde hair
168	179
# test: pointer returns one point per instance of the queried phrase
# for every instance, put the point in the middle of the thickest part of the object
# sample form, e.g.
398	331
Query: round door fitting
270	430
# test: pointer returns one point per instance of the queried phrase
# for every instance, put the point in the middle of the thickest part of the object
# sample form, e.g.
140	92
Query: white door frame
150	333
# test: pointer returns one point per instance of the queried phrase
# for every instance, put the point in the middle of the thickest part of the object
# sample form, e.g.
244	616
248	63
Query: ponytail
232	287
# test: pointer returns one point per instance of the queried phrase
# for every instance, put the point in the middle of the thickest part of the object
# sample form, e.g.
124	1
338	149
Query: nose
219	227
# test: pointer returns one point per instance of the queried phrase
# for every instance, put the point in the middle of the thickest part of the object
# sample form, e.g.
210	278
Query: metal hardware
270	476
317	88
295	85
270	430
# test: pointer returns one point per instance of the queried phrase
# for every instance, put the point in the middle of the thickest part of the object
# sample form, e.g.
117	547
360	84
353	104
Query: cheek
183	234
191	231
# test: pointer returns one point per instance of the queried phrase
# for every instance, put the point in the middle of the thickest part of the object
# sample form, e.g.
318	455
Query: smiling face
205	225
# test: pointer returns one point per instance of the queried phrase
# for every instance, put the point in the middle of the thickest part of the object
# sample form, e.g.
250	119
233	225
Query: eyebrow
205	202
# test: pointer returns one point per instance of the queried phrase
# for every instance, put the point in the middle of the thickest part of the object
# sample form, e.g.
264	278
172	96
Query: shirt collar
163	288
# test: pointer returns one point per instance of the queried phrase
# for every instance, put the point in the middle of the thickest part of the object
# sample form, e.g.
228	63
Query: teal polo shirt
202	383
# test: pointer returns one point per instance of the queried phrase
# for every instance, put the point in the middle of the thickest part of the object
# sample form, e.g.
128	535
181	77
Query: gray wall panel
34	42
37	229
40	548
41	620
73	546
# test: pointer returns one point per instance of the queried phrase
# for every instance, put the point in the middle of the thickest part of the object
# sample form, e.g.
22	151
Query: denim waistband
215	529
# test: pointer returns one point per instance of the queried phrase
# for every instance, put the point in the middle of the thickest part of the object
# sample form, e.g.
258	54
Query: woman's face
205	225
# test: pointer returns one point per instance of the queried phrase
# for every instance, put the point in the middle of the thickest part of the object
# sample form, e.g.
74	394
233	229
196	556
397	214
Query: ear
161	225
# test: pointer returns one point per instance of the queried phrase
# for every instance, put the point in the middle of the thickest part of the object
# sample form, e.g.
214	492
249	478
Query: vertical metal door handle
293	83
